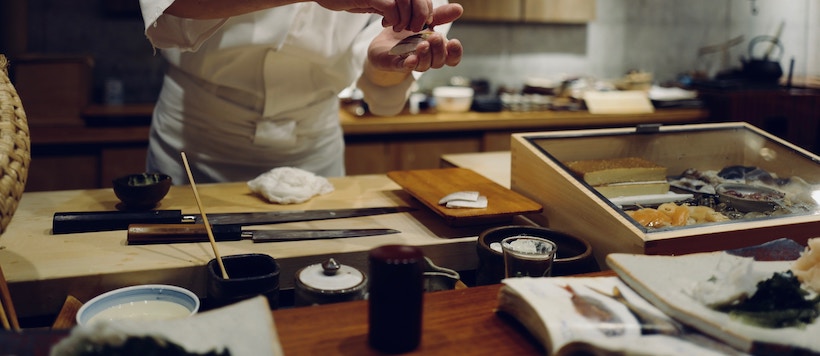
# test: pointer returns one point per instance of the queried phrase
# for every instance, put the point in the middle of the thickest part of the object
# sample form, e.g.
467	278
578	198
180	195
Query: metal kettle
763	70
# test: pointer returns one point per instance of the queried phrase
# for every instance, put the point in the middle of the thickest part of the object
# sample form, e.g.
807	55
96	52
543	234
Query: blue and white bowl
141	302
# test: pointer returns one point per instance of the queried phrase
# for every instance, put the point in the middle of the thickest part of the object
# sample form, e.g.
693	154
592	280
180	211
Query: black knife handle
89	221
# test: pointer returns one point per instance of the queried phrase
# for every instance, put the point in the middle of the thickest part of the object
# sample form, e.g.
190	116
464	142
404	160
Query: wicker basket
15	147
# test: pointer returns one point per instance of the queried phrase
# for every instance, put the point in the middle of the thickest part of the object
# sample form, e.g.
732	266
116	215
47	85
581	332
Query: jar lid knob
330	267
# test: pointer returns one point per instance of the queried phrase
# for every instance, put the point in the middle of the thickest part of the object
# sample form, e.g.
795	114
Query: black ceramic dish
141	190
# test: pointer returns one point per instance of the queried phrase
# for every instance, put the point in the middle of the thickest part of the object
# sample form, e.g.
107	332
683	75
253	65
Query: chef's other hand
400	15
435	52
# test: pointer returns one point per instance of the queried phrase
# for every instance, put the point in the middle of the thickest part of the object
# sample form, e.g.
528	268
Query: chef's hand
399	15
435	52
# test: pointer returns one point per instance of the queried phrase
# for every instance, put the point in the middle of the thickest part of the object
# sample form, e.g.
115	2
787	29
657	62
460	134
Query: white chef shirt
249	93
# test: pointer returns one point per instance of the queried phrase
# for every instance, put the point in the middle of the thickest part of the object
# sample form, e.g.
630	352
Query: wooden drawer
54	90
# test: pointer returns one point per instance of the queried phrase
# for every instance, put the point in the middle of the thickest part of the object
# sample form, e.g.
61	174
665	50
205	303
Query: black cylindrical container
395	298
249	275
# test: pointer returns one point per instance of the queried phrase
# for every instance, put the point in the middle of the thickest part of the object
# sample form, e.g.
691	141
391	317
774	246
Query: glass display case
723	186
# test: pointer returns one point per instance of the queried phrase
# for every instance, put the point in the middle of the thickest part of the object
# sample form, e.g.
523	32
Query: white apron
279	73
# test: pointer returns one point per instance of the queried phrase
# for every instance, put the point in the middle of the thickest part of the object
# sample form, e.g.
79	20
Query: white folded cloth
288	185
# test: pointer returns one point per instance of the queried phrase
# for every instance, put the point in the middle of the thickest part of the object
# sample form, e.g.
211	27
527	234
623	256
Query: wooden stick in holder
204	217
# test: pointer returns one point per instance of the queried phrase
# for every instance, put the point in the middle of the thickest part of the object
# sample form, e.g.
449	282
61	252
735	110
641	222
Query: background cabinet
791	114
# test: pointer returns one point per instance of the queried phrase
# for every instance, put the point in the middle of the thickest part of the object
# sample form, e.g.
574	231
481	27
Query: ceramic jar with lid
328	282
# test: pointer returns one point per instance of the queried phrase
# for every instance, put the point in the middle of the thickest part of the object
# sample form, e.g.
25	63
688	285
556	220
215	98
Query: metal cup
528	256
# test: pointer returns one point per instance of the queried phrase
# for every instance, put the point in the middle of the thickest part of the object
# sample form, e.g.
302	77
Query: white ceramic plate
665	280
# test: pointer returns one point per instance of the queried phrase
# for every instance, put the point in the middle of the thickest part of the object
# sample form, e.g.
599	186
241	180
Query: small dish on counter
142	190
141	302
453	99
749	198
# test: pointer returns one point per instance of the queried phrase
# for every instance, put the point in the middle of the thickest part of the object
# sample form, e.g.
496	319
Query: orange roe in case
650	217
671	214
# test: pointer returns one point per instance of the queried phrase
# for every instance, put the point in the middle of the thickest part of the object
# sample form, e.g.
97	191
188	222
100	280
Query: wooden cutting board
430	185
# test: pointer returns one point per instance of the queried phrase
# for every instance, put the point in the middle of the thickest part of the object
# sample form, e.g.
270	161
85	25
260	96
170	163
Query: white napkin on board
288	185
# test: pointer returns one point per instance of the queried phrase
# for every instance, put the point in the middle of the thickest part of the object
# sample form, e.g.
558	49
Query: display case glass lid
681	177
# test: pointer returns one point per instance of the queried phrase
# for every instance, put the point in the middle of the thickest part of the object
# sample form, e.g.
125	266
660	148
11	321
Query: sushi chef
253	85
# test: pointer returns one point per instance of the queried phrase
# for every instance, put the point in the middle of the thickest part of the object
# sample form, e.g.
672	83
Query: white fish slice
408	45
466	195
479	203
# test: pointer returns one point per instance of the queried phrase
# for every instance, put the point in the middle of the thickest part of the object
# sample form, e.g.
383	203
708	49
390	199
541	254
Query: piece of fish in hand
407	46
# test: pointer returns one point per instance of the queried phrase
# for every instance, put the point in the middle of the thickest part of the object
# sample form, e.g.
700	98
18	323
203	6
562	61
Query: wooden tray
430	185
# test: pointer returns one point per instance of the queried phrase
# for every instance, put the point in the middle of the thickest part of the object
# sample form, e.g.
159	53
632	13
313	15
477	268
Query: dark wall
111	31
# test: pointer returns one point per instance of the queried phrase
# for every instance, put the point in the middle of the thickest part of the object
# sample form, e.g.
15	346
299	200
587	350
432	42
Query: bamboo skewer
8	317
3	318
204	217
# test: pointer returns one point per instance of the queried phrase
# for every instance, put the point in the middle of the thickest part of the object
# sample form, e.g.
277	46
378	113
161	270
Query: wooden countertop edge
460	320
369	125
505	120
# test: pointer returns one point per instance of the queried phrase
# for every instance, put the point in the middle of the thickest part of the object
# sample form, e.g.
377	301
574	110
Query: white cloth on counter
288	185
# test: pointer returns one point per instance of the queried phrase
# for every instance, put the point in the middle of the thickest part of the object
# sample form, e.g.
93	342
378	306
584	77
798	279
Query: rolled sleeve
386	101
167	31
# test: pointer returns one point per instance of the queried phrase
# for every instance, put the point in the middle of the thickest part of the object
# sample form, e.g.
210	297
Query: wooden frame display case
573	206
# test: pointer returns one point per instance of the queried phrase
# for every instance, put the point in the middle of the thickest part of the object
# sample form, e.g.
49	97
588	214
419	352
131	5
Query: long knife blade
296	235
143	234
89	221
256	218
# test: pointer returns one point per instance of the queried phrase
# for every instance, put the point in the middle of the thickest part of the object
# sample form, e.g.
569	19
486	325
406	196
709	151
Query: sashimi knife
143	234
89	221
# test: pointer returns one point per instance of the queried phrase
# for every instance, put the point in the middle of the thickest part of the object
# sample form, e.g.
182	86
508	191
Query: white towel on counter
288	185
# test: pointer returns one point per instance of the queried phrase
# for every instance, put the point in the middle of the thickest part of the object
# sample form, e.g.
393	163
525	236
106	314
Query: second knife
143	234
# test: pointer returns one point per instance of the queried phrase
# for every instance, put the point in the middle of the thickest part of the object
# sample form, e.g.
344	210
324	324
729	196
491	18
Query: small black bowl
142	190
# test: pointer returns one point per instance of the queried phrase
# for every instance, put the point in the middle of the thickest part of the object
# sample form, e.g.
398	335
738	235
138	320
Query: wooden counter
461	321
122	123
508	121
381	144
42	269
